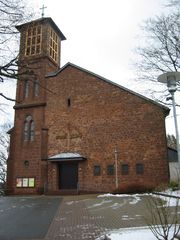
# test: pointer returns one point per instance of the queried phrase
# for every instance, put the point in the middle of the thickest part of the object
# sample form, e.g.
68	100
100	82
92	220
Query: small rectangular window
124	169
139	168
110	170
97	170
69	102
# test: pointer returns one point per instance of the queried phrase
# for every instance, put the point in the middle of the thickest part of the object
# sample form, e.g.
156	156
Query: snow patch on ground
174	193
130	233
169	201
100	204
140	232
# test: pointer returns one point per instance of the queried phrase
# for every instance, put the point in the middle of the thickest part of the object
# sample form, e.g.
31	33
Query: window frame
110	169
29	129
139	168
33	40
36	88
97	170
54	45
124	169
26	88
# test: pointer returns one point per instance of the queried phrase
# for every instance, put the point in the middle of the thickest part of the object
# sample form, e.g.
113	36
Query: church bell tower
39	55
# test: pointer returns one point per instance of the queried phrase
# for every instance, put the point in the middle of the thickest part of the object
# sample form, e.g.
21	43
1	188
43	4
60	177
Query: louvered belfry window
54	43
33	40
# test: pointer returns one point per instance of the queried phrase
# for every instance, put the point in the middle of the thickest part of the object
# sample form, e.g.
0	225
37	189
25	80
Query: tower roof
44	20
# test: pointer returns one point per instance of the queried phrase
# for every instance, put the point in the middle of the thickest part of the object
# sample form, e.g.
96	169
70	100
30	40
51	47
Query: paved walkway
73	221
69	217
89	217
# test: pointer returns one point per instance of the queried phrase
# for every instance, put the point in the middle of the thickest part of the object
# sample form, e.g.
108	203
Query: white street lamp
170	78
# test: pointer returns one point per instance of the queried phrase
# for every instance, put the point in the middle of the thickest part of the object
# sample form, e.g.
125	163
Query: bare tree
4	149
162	218
173	3
12	13
161	49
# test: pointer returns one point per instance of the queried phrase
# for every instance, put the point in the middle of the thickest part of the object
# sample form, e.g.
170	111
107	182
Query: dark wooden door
68	176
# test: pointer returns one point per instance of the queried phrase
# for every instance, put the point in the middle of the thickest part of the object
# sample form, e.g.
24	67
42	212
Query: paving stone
73	221
89	217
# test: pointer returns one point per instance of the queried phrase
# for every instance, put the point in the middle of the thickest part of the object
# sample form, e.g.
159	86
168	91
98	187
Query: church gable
80	72
91	116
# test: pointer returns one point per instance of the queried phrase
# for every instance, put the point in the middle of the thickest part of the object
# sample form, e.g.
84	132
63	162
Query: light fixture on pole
170	78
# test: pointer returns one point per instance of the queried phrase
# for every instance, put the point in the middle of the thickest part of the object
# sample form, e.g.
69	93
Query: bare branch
161	52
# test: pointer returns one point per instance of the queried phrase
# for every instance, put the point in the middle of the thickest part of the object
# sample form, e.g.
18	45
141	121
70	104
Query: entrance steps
64	192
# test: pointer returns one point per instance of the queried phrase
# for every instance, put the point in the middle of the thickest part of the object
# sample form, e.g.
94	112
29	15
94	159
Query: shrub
173	185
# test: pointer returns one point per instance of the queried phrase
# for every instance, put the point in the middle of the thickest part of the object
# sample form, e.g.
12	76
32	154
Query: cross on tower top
43	7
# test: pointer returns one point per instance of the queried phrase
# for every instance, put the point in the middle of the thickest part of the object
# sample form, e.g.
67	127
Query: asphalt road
26	217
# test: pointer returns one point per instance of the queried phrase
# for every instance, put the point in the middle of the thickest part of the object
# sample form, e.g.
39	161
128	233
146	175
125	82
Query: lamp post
170	78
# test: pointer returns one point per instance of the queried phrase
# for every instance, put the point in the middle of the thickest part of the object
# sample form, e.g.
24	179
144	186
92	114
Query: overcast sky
102	34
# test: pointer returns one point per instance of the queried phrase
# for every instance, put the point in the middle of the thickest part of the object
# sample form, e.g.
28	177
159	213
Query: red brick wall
33	151
103	118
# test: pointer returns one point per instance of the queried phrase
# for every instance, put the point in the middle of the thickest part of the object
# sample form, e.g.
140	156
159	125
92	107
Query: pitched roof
166	109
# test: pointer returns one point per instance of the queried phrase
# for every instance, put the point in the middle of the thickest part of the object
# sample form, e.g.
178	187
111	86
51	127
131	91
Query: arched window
29	128
25	131
26	88
36	88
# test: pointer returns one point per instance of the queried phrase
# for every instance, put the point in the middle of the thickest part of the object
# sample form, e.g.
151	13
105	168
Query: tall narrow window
69	102
26	88
36	88
29	129
26	130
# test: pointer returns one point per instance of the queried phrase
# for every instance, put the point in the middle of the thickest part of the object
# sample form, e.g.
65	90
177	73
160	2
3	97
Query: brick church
77	131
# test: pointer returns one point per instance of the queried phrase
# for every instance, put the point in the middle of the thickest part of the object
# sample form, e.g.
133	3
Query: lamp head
170	78
171	83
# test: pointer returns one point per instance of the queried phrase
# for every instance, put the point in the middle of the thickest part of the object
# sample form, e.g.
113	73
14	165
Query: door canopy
66	157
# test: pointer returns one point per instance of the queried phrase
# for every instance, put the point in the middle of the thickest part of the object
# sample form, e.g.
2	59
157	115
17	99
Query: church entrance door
68	175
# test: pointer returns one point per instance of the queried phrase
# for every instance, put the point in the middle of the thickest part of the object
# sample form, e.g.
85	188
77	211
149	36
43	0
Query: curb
165	195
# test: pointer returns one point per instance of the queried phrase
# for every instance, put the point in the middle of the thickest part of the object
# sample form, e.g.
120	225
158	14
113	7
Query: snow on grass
133	198
131	233
140	232
174	193
169	201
